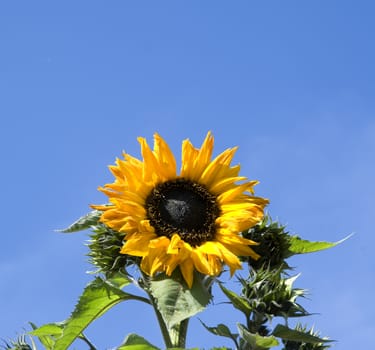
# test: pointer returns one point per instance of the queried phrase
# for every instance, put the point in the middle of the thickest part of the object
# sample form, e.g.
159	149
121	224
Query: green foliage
276	245
223	331
136	342
239	302
48	333
271	294
296	335
302	246
97	298
104	245
84	223
49	329
175	301
300	338
255	341
267	292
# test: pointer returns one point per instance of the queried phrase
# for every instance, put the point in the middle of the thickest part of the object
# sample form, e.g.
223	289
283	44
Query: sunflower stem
178	334
87	341
174	333
182	333
162	325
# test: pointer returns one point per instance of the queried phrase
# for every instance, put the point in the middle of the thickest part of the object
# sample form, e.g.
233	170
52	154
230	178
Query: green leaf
54	329
256	341
302	246
97	298
175	301
238	302
83	223
221	329
119	280
47	333
136	342
286	333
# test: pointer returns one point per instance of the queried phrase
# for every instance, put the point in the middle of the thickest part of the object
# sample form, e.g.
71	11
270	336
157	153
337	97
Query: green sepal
256	341
136	342
302	246
286	333
175	300
97	298
240	303
84	222
21	343
221	330
271	294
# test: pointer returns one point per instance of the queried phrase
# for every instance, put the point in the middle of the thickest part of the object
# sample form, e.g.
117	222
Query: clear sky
292	83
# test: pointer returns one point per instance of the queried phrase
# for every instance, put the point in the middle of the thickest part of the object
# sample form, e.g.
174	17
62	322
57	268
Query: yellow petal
215	264
187	269
171	263
219	250
151	167
239	247
138	245
211	248
165	157
204	156
175	244
189	154
234	193
201	262
218	168
225	184
155	259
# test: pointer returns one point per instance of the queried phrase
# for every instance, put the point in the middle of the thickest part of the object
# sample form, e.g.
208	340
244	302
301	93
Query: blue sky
292	83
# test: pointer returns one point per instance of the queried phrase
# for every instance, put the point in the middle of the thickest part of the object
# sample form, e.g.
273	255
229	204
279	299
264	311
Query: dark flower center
184	207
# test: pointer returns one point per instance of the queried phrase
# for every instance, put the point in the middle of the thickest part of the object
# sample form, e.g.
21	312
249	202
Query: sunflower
192	220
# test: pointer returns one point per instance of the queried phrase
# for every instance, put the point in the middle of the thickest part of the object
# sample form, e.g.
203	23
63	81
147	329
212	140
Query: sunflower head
105	245
273	245
189	219
271	293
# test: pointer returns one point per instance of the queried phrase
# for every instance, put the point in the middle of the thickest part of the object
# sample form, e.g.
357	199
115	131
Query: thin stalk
87	341
162	325
139	298
174	334
182	333
178	334
235	342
